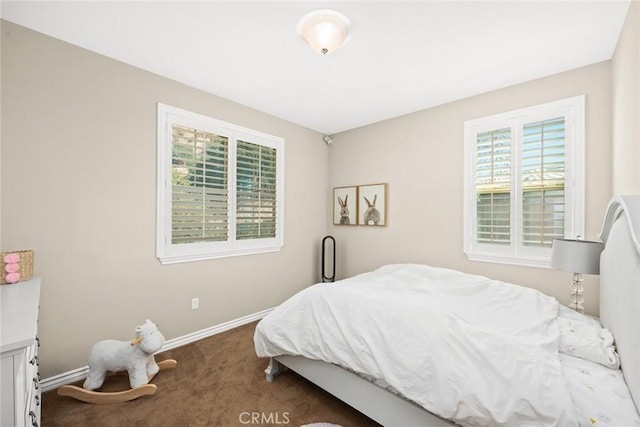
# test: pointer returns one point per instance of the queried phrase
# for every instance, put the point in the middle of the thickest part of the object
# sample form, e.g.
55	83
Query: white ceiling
403	56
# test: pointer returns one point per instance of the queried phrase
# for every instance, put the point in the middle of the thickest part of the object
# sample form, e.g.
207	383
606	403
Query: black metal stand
326	278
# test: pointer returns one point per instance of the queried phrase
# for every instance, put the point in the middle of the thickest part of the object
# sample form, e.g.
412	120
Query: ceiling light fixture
324	30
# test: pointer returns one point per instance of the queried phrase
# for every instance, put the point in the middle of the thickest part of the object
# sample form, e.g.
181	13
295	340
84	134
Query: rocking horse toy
135	357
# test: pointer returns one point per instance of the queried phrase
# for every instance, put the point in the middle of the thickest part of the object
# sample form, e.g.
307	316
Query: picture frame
345	205
372	205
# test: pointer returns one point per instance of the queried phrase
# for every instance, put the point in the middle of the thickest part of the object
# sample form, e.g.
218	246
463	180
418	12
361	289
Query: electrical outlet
195	303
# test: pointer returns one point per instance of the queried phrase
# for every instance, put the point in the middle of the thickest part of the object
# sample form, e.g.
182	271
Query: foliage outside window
524	182
220	188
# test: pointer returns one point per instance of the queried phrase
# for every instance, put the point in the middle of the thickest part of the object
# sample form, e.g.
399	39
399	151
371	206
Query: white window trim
169	253
515	253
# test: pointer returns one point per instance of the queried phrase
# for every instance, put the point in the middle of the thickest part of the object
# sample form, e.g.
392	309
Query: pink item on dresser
12	277
11	258
12	268
16	266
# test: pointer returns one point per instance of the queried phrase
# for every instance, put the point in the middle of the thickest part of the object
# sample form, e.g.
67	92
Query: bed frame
619	312
620	285
375	402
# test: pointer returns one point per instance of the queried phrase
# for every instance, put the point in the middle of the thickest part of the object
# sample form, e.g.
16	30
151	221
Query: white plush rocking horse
135	357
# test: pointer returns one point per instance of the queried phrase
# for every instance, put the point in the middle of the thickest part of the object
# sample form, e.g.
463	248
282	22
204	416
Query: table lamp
579	257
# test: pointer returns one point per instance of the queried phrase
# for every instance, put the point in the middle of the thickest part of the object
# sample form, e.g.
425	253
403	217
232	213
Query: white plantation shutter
256	203
199	186
524	175
220	188
493	186
543	175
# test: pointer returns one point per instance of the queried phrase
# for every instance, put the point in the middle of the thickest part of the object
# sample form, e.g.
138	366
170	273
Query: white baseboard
81	373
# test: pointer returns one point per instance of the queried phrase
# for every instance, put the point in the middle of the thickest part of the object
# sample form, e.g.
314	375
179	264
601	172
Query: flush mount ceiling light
324	30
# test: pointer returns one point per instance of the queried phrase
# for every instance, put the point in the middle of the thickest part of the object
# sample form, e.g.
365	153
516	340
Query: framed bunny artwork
372	204
345	205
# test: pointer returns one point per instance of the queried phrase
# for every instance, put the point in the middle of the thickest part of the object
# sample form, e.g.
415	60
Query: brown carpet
219	381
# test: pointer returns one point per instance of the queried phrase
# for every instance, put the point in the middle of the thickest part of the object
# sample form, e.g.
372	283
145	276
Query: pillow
583	336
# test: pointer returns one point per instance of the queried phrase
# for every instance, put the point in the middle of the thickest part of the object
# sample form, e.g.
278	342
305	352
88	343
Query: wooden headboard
620	284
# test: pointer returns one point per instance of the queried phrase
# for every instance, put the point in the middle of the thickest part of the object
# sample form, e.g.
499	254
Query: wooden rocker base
101	397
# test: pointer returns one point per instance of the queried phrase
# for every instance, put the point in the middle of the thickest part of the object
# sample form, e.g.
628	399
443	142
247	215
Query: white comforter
474	350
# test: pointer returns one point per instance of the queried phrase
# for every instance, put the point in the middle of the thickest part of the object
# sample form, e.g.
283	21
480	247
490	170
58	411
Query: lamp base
576	293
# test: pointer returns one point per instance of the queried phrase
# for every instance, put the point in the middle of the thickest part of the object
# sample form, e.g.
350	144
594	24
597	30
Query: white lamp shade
576	256
324	30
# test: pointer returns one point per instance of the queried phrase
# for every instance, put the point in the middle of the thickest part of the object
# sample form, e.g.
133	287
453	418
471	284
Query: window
524	182
220	188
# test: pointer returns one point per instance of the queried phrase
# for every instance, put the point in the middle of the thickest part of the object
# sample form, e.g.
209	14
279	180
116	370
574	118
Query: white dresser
19	376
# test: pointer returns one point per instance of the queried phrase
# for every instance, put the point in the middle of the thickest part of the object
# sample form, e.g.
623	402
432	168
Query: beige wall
421	157
1	31
79	187
626	106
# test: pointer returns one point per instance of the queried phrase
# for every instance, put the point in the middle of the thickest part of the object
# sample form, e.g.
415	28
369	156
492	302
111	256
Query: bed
542	364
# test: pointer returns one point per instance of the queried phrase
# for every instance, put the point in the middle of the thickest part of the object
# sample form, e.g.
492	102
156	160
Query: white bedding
474	350
600	395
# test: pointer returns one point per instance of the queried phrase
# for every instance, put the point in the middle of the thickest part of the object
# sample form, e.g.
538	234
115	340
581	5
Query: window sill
180	258
523	262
